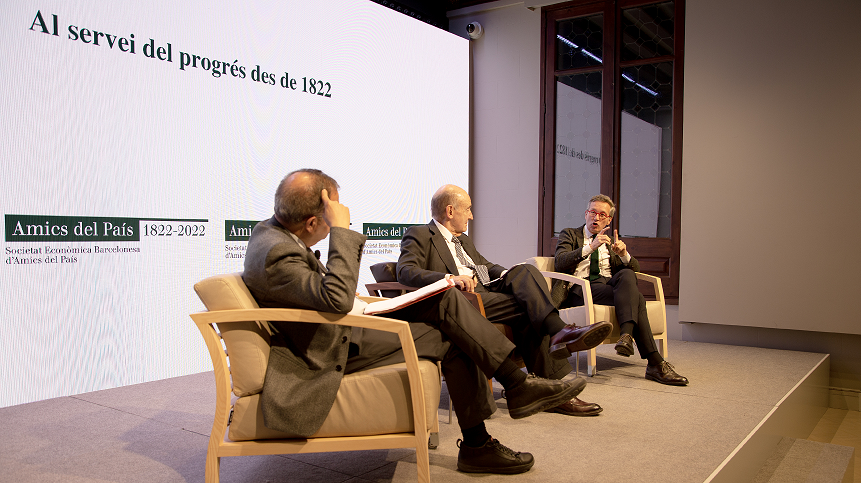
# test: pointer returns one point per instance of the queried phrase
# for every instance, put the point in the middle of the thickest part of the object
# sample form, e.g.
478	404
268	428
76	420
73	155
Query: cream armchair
590	313
388	407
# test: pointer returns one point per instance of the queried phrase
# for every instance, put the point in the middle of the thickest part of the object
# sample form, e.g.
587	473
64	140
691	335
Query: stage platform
722	427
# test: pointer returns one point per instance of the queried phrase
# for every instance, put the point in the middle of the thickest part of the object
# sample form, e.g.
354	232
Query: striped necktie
480	270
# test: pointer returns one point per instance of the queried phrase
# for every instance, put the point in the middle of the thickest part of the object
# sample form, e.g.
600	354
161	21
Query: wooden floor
843	427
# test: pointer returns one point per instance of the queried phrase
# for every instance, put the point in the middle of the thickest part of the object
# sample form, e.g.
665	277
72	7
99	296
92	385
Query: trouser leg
621	291
529	290
467	384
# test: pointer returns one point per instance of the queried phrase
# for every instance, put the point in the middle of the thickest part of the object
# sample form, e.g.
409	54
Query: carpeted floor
158	431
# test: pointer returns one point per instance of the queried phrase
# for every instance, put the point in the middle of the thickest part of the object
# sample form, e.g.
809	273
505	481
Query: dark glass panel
579	42
647	31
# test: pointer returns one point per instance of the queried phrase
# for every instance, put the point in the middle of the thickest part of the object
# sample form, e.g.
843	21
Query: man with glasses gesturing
588	252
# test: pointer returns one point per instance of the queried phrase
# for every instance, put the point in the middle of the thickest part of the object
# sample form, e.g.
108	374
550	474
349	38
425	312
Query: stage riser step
800	460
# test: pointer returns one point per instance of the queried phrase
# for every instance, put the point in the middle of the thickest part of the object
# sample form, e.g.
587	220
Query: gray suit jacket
569	254
425	257
307	361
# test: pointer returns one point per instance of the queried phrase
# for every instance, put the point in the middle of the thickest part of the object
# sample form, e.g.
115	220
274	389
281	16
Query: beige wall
772	164
772	122
506	95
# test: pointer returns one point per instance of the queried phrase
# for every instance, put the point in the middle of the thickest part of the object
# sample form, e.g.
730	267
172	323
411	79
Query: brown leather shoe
625	346
574	339
576	407
537	394
665	374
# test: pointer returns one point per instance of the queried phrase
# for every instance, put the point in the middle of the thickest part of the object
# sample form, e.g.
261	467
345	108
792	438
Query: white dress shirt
582	269
461	268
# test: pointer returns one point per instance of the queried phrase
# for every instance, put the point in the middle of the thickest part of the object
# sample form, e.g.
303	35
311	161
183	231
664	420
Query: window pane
578	147
646	151
579	42
647	31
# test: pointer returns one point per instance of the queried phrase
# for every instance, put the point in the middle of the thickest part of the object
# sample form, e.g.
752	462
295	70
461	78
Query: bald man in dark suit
517	297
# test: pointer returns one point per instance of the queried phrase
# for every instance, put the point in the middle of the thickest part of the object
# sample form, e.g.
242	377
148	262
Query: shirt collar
298	240
587	233
443	231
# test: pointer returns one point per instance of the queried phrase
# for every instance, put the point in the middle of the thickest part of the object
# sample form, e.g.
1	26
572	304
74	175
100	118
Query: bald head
451	206
447	195
298	196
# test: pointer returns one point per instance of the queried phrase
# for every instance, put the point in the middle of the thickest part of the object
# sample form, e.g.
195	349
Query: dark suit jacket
569	254
307	361
425	257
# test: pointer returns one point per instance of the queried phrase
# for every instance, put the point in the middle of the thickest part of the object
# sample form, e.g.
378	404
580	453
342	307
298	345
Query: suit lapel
441	248
580	236
469	248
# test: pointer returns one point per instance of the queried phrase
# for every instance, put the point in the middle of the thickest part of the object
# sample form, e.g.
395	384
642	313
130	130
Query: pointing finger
616	236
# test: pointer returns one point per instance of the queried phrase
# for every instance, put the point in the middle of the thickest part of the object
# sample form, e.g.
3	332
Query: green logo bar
386	231
39	228
238	230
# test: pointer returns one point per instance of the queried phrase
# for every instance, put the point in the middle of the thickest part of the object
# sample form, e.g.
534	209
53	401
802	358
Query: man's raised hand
334	213
618	246
600	239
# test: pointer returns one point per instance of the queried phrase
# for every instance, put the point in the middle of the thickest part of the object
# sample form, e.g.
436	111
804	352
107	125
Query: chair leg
449	409
433	441
664	348
213	466
422	463
591	362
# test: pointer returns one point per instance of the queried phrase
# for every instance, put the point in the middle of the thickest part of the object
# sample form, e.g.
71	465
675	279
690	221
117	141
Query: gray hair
295	202
604	199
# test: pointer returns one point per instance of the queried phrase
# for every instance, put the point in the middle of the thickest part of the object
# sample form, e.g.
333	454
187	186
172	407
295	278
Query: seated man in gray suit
307	361
587	252
517	297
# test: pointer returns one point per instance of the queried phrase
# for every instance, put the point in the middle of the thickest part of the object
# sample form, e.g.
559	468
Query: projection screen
141	142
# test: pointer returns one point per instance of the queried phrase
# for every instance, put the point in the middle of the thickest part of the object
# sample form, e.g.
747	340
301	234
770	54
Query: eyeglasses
597	214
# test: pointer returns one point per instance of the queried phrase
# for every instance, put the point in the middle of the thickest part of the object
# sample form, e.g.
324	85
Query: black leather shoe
625	346
665	374
536	394
575	339
576	407
492	457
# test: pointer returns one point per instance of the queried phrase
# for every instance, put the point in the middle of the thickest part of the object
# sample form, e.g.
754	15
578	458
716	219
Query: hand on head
334	213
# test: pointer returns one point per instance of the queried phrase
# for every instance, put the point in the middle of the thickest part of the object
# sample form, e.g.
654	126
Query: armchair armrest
377	288
656	284
583	283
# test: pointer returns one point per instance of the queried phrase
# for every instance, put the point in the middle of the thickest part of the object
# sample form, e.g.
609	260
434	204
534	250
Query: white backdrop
104	131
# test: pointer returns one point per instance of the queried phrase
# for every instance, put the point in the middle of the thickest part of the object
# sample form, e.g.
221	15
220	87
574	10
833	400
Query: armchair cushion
359	408
247	343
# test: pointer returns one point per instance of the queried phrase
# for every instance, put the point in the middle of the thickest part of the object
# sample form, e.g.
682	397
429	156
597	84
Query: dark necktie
480	270
594	265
